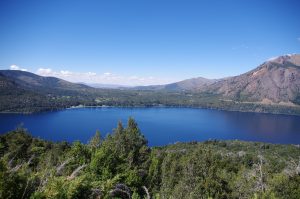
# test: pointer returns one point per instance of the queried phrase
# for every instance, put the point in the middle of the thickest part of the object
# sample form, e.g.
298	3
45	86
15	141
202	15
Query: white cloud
133	77
91	73
105	78
15	67
45	72
66	72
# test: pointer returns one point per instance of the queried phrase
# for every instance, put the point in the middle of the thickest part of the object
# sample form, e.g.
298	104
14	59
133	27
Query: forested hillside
121	165
24	92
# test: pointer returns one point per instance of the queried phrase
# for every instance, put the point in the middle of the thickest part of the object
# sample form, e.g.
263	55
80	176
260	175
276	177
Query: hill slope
30	81
123	166
26	92
273	87
275	81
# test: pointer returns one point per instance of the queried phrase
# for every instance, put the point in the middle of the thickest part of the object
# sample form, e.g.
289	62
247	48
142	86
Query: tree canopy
121	165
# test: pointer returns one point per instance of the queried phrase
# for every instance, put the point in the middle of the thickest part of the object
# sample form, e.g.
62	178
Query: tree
95	141
12	184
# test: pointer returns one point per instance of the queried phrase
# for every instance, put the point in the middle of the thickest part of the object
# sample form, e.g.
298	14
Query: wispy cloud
104	78
45	72
298	39
15	67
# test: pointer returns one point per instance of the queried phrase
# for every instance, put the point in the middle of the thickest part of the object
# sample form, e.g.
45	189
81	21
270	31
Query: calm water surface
161	126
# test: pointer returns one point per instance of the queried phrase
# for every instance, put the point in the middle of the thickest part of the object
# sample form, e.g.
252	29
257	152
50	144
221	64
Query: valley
273	87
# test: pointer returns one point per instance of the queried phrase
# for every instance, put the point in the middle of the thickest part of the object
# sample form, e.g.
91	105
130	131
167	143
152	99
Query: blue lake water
161	126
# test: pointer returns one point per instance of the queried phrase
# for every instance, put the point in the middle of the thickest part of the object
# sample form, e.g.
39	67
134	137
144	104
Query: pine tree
95	141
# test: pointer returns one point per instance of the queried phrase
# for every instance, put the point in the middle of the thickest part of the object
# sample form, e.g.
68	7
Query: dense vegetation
27	93
121	165
24	101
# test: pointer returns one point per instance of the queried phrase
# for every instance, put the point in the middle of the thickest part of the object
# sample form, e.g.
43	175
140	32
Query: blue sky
146	41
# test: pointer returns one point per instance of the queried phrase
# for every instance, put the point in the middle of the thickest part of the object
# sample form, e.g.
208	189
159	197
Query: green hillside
121	165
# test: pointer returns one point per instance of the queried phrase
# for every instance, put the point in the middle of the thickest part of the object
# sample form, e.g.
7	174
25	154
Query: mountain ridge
34	81
274	81
272	87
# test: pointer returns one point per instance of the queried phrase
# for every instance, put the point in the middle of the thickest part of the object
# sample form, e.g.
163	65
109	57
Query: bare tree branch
75	172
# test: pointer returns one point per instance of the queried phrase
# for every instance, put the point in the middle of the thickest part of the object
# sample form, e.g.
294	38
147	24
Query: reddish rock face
276	81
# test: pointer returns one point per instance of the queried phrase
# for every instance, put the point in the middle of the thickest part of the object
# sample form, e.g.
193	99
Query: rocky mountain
272	87
276	81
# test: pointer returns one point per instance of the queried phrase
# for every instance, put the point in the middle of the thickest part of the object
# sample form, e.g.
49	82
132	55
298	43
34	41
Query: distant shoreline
152	106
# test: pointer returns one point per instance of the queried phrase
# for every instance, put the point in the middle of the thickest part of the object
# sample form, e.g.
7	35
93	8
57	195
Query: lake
161	126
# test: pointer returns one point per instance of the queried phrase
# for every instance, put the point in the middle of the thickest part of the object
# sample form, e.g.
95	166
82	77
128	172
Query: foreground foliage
123	166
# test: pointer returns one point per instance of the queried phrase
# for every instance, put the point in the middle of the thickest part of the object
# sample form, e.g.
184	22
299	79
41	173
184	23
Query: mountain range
31	81
275	83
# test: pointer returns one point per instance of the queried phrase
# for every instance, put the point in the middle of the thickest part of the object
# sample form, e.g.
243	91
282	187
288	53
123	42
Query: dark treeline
121	165
25	92
28	101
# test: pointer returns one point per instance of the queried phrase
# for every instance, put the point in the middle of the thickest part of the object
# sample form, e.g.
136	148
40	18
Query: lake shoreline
167	124
152	106
211	140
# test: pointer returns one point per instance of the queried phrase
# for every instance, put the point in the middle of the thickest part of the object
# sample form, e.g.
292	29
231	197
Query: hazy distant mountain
112	86
275	81
30	81
26	92
188	84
